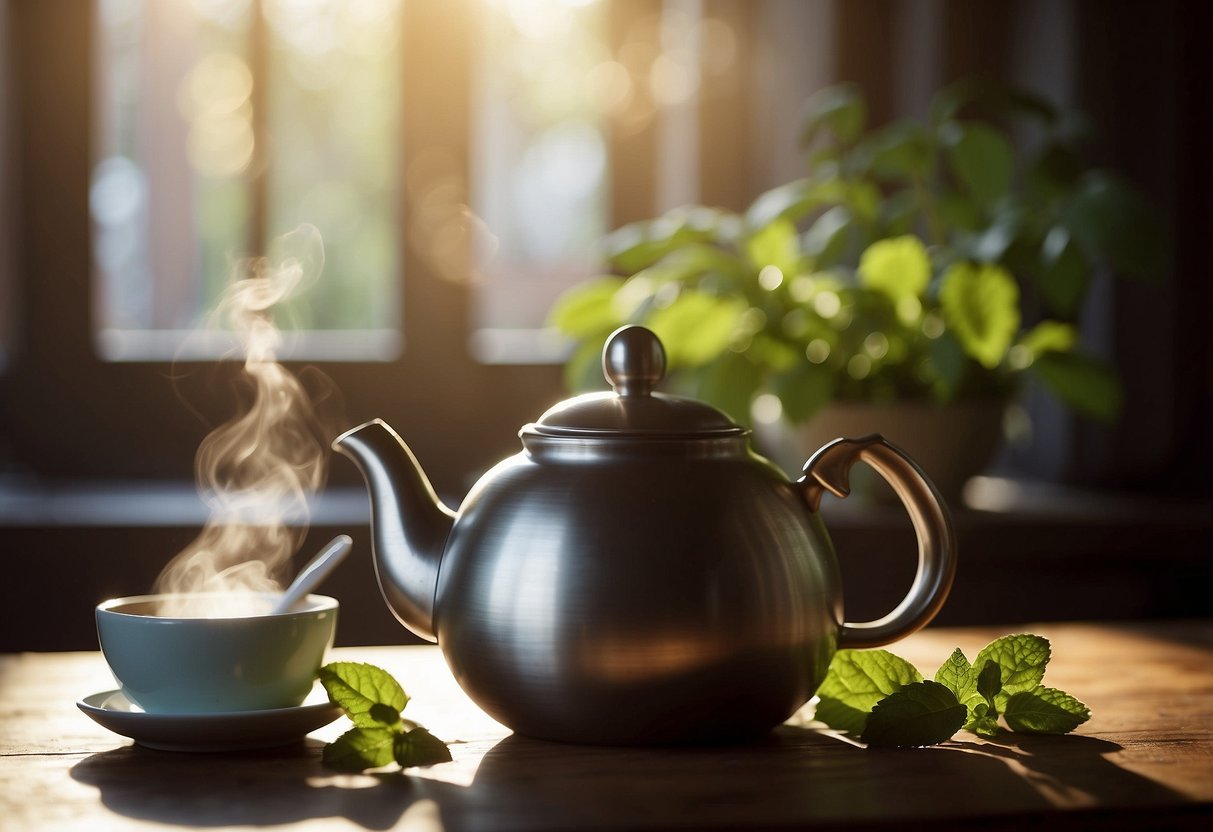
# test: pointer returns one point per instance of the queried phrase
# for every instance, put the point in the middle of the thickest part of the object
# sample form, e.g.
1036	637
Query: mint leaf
921	713
1045	711
359	749
856	681
989	684
369	695
373	700
957	675
1022	659
419	747
982	722
970	688
884	701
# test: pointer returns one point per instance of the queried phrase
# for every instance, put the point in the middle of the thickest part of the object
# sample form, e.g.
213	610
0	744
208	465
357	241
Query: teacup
183	665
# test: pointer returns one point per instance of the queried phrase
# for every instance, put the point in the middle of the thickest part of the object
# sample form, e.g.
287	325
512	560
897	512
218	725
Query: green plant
373	700
882	700
922	260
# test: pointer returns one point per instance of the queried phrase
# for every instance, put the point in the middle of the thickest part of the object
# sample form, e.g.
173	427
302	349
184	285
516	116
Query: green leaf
982	722
901	151
864	198
583	370
981	305
921	713
959	212
729	384
1049	336
856	681
956	674
588	310
804	390
898	212
1065	274
419	748
374	700
638	245
775	245
359	688
698	260
839	109
1116	224
697	327
360	748
1045	711
989	685
898	266
826	239
991	98
791	200
1084	384
949	362
1021	660
1055	170
992	243
772	353
981	159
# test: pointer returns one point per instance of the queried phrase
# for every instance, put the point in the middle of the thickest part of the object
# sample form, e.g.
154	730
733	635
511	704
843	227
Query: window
544	85
158	141
688	100
221	125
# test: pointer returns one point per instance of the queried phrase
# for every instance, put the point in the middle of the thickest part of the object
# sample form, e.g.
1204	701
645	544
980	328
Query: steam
258	471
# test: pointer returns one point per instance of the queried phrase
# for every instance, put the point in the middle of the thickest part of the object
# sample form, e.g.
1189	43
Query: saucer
234	731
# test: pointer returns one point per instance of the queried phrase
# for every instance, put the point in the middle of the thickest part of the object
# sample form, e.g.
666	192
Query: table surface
1144	760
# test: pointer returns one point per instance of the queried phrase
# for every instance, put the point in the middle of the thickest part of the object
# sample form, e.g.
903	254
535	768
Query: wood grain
1145	759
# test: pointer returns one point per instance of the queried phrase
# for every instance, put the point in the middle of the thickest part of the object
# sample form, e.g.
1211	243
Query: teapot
636	574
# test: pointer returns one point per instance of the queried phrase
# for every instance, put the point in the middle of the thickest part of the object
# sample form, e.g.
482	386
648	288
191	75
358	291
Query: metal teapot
636	574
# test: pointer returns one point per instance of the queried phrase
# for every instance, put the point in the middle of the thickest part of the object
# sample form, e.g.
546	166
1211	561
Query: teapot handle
829	470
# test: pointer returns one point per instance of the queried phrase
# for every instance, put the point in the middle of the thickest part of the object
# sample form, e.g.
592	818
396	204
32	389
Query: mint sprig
884	701
373	701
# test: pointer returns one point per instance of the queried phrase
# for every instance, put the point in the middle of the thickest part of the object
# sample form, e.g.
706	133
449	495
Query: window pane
544	83
334	123
174	136
189	179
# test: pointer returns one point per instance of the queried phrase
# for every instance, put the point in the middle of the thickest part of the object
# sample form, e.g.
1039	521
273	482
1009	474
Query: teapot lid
633	361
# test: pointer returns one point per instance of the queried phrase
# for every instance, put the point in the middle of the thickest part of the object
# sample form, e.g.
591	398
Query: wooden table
1145	759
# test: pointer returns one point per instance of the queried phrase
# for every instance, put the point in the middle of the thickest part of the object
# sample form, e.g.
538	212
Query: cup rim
316	603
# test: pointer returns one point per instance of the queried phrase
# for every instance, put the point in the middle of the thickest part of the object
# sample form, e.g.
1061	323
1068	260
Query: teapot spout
409	524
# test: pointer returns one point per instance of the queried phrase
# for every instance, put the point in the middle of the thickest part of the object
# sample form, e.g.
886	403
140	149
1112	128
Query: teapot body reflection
636	574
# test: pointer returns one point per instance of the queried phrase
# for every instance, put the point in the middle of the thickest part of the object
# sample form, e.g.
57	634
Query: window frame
66	412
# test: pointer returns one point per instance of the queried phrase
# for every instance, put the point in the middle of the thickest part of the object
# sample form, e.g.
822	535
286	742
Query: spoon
314	573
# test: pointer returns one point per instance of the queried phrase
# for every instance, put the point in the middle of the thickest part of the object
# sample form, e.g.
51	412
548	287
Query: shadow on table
261	788
1074	770
798	777
793	776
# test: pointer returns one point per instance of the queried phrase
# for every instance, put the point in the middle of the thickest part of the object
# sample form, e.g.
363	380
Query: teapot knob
633	361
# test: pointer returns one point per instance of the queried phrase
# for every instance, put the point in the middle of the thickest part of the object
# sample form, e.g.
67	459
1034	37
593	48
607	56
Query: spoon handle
314	573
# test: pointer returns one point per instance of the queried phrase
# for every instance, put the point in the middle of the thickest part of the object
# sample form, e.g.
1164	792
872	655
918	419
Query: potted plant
923	264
